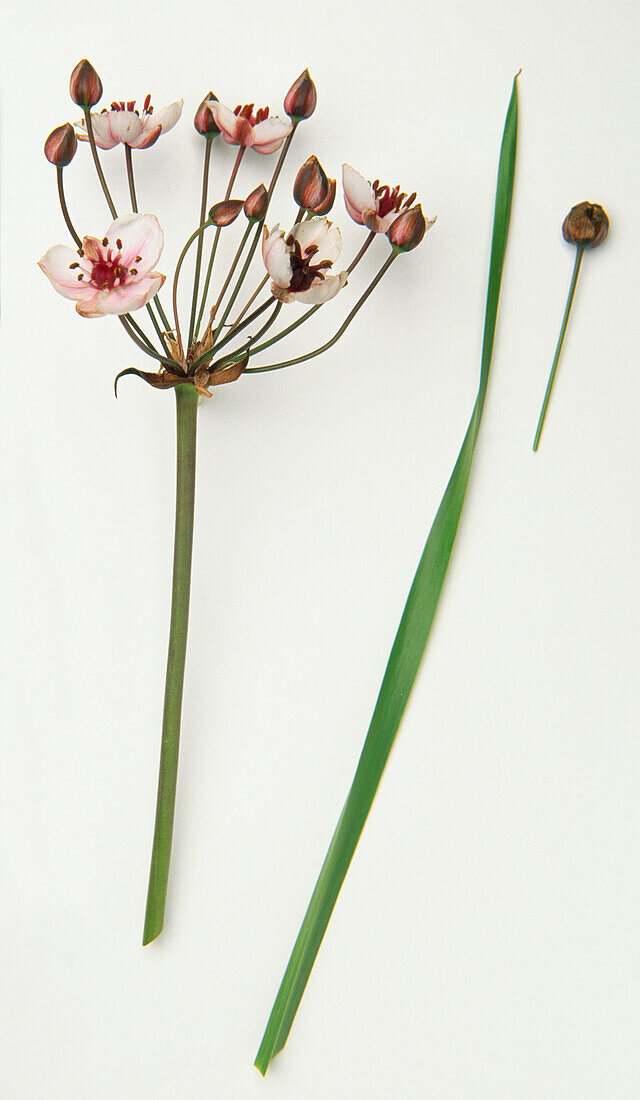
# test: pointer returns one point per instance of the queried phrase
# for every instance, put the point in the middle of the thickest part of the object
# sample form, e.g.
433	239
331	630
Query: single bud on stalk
327	205
85	86
586	224
204	121
408	229
60	147
256	204
225	212
311	186
300	101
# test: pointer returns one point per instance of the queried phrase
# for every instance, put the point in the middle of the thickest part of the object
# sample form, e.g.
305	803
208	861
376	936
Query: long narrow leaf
407	651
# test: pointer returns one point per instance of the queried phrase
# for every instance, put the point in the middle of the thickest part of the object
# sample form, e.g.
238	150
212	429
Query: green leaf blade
406	653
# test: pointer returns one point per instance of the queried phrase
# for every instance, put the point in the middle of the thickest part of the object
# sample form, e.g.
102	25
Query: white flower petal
166	116
269	134
90	306
322	234
101	130
141	236
56	264
359	198
224	119
276	256
126	126
320	292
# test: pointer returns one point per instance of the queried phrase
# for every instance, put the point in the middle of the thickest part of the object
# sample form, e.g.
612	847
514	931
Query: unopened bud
225	212
327	205
60	147
255	205
311	185
204	121
85	86
408	229
586	224
300	101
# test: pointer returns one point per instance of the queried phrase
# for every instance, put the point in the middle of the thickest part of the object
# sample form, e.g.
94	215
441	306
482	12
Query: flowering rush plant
117	272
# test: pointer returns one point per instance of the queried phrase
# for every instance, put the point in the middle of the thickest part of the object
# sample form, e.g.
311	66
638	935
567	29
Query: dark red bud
225	212
85	86
255	205
300	101
311	185
60	147
408	229
204	121
586	224
326	206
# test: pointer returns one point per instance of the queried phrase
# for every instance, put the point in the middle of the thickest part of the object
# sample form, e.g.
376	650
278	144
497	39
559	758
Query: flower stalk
556	358
186	420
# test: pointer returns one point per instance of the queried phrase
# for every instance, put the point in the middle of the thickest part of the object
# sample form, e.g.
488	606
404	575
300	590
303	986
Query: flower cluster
115	273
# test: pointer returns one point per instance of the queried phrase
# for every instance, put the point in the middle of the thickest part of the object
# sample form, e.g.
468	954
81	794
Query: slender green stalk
406	654
64	208
130	178
241	277
556	358
96	161
203	216
186	412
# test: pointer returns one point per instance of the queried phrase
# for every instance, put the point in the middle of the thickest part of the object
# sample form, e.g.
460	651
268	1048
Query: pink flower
112	275
299	262
258	130
372	204
123	124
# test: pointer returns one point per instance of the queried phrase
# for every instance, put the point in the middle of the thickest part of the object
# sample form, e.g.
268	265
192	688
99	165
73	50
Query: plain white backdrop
487	941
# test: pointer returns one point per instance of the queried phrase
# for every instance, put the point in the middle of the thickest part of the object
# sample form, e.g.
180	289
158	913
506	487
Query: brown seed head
586	224
85	86
255	205
311	186
300	101
408	229
60	147
225	212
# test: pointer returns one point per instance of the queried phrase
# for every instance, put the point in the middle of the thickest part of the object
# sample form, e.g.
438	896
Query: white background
487	940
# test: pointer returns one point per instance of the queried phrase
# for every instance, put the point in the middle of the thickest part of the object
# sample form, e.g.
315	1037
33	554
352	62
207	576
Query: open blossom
372	204
299	262
124	124
112	275
256	130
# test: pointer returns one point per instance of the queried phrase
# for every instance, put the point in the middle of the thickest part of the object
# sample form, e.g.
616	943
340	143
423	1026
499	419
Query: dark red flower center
305	273
388	199
247	112
130	105
107	270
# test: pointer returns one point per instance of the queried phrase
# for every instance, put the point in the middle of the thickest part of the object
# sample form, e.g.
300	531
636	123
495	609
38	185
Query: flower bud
408	229
300	101
225	212
60	147
586	224
311	185
327	205
255	205
85	86
204	121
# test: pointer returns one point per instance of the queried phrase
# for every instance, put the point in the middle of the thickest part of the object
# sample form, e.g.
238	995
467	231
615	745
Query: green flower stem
556	358
241	278
186	410
130	178
96	161
203	218
64	208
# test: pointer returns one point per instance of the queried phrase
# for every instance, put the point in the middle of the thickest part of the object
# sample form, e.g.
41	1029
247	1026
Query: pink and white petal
276	258
269	134
92	249
100	124
56	264
320	292
90	306
126	126
321	234
167	116
133	295
147	137
141	236
385	223
359	198
224	119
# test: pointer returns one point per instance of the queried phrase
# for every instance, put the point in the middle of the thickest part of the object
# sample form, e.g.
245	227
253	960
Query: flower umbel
111	275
